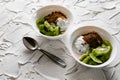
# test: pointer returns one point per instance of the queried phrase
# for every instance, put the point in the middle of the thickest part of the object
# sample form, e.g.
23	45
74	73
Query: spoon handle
56	59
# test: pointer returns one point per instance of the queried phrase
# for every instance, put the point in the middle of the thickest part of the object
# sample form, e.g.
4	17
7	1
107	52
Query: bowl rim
69	46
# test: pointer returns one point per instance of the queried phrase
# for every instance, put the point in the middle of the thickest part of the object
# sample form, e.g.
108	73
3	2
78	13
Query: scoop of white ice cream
81	45
62	23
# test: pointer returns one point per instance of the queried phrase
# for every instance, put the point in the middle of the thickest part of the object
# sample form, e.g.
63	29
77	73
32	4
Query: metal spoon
32	44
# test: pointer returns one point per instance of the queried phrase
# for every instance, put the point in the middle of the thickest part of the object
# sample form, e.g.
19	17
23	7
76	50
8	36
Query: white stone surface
18	63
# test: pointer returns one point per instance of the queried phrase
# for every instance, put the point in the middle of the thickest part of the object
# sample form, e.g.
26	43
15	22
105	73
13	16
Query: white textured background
18	63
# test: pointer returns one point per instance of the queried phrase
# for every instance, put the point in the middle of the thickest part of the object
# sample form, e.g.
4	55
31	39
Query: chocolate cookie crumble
93	39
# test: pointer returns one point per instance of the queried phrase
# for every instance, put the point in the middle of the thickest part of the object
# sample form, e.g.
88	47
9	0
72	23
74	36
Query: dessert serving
92	46
94	49
53	24
52	21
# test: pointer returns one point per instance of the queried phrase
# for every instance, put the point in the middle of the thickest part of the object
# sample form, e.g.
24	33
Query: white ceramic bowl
44	11
85	29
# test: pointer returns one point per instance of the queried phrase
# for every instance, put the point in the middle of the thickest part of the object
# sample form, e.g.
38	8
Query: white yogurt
62	23
81	45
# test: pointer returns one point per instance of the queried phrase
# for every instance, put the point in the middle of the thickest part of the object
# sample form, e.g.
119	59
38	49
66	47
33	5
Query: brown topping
93	39
52	18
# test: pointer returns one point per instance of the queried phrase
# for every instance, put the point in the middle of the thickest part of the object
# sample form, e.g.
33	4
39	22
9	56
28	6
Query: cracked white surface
6	67
18	63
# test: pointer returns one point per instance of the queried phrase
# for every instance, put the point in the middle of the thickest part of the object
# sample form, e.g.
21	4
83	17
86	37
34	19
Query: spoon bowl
30	43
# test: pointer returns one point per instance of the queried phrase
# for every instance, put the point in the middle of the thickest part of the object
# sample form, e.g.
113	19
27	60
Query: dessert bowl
50	10
105	35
